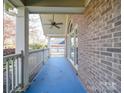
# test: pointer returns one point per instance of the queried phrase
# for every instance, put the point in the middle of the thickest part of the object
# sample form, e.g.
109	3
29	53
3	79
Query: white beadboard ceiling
53	31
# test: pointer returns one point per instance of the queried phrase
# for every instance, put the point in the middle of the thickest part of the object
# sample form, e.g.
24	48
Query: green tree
37	46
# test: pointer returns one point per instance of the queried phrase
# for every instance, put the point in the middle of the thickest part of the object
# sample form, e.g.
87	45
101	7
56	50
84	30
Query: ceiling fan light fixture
53	23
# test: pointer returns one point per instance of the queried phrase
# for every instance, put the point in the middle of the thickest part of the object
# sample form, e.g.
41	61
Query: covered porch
40	71
91	60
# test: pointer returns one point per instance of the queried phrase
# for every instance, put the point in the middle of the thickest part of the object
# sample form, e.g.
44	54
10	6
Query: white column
74	47
22	35
49	45
69	48
65	51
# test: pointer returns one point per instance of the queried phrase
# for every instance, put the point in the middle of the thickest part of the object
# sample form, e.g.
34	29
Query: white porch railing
57	51
12	71
13	68
36	60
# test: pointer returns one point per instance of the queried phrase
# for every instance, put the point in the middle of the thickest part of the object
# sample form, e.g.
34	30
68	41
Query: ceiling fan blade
59	23
57	26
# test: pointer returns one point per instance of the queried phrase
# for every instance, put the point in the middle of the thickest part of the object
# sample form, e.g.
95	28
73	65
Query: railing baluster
13	75
22	69
43	57
7	77
17	71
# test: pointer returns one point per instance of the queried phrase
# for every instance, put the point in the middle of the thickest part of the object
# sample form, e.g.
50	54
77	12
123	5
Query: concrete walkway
57	76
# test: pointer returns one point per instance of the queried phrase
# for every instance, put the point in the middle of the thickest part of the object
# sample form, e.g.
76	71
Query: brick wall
100	46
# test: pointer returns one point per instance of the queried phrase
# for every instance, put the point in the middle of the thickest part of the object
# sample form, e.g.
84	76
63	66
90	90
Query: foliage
8	6
37	46
9	31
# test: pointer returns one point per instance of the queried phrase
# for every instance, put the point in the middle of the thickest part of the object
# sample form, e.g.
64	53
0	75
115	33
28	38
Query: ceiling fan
53	23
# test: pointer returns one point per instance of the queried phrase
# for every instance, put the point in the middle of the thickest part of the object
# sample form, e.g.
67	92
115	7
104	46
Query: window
71	28
72	46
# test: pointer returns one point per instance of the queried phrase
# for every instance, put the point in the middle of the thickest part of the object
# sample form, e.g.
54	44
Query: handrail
30	52
38	50
12	55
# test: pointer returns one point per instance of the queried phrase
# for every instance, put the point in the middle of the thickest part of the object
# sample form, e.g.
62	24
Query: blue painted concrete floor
57	76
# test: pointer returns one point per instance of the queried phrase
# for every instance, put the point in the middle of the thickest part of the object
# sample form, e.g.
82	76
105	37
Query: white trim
75	27
72	62
56	35
87	2
10	13
8	1
74	66
22	29
61	10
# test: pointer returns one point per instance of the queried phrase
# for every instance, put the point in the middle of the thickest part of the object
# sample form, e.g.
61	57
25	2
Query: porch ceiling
54	32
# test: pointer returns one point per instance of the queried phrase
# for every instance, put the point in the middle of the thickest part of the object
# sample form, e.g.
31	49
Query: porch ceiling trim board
52	6
55	35
58	10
